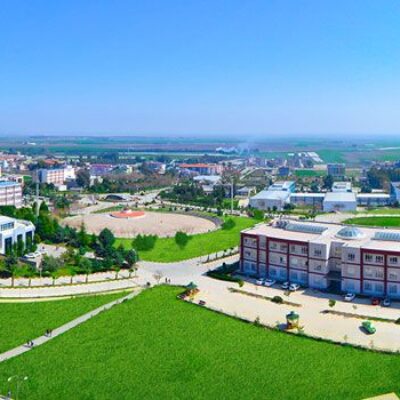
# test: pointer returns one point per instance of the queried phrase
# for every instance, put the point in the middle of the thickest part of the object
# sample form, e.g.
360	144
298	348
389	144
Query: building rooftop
282	186
316	232
271	195
8	183
340	197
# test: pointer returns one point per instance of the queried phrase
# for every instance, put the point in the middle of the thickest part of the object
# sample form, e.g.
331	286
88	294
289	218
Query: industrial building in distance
340	198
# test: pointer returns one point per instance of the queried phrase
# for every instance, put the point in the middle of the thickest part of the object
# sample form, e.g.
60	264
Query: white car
260	282
294	286
349	297
386	302
30	255
269	282
285	285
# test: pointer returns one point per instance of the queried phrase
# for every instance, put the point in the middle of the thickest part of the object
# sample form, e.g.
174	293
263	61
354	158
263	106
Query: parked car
269	282
30	255
285	285
260	282
349	297
294	286
368	327
375	301
386	302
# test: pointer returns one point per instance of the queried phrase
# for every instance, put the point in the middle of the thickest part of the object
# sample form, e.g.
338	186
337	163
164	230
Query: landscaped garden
168	250
157	347
384	221
25	321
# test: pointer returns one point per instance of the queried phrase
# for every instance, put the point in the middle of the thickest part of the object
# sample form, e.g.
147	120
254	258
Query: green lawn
22	321
306	173
381	211
375	221
157	347
166	249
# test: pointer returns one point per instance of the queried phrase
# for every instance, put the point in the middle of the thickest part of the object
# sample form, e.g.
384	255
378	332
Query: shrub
144	242
332	303
277	299
398	321
228	224
181	239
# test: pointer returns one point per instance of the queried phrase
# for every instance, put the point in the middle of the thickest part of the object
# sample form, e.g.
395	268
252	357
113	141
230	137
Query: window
367	286
273	245
351	256
293	248
317	252
392	289
247	253
392	276
272	272
283	247
351	270
379	259
318	267
368	257
304	250
282	260
393	260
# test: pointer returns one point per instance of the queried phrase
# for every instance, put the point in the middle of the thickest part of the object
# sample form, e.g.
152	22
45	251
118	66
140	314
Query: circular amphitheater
130	223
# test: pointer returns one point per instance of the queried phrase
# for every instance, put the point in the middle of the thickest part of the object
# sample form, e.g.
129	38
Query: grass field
166	249
157	347
309	173
375	221
381	211
23	321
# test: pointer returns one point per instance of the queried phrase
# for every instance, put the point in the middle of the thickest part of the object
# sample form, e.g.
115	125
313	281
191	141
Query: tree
83	178
327	181
131	258
11	266
181	239
106	238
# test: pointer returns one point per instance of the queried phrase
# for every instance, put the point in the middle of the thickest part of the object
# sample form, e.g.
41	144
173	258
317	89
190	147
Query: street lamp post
19	381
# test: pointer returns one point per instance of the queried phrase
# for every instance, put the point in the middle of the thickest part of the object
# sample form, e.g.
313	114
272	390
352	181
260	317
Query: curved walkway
64	328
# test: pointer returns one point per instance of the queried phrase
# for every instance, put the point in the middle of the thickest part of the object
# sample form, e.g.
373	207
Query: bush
181	239
144	242
277	299
228	224
398	321
332	303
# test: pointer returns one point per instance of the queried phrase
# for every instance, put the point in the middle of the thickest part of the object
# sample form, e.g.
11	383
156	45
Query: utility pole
232	196
37	200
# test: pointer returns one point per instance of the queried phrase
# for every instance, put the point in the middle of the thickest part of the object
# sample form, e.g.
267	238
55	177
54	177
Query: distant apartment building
10	194
55	176
395	191
358	260
336	170
100	170
203	168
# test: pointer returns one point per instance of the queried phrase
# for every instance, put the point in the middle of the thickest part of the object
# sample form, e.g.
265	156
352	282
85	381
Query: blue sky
200	67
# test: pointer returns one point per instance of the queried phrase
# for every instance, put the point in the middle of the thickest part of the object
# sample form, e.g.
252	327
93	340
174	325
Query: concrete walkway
65	328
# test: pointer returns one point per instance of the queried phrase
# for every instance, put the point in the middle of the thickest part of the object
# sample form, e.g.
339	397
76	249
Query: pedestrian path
66	327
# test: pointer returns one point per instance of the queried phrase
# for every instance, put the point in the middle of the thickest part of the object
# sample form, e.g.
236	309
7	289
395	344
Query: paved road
66	327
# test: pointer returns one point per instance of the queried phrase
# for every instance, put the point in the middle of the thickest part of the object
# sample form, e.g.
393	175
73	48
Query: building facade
13	231
322	256
11	194
55	176
337	170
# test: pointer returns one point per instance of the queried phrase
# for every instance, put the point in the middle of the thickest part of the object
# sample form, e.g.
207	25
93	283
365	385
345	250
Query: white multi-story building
348	258
10	194
12	231
56	176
